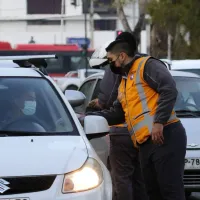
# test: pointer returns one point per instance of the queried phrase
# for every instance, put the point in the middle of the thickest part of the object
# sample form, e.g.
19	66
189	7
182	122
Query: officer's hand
157	134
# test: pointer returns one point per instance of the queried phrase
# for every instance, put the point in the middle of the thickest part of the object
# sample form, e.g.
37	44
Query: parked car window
31	105
96	90
87	89
188	93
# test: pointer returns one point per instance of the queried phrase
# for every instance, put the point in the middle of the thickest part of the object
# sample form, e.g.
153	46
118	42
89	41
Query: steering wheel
24	121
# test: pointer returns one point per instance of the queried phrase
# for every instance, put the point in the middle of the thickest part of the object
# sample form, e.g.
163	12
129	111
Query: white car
186	65
188	110
45	153
73	79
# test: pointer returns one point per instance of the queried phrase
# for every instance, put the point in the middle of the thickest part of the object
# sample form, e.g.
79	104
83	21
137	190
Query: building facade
41	19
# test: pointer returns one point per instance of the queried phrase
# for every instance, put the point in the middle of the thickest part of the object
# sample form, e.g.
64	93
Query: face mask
29	107
114	69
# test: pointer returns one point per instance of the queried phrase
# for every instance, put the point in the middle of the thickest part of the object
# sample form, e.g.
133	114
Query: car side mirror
75	98
95	126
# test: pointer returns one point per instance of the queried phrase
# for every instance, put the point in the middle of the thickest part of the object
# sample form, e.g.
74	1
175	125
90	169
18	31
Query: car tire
72	87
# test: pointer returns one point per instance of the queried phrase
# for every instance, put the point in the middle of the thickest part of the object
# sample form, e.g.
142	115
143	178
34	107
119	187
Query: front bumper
192	180
192	176
55	193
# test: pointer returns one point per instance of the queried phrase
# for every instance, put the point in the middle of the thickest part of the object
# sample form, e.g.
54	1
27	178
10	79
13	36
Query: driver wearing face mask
23	104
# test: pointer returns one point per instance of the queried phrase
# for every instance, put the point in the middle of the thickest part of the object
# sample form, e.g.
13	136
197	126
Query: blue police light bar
27	57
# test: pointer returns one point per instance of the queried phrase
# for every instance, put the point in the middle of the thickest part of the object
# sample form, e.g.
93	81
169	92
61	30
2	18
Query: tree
142	10
180	19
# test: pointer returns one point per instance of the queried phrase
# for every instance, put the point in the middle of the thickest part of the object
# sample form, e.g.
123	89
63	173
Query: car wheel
188	194
72	87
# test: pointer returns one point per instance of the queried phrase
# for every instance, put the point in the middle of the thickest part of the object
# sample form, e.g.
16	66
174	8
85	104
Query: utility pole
92	22
62	21
134	12
85	46
169	40
86	7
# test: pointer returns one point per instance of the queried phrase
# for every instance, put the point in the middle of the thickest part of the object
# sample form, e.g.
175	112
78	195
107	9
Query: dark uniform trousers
163	165
128	183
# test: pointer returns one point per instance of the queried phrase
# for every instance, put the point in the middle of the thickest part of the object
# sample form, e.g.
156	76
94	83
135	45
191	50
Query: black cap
126	37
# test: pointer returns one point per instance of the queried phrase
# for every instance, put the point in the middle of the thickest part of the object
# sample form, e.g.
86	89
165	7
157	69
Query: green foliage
171	16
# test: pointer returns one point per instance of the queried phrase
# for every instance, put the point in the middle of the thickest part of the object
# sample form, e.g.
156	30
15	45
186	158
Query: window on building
105	25
43	22
43	6
102	7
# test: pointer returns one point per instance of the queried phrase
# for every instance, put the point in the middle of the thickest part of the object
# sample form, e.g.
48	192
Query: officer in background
124	157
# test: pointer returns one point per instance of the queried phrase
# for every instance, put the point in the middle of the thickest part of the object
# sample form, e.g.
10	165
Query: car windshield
32	106
188	94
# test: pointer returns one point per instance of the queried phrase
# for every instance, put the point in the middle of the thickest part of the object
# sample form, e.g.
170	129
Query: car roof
91	70
173	73
184	74
11	69
19	72
25	57
185	64
7	63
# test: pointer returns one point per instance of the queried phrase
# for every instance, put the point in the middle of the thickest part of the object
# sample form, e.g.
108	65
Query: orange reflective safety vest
139	102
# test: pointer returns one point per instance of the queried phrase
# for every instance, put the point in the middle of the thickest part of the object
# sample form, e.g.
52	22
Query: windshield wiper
20	133
188	113
24	133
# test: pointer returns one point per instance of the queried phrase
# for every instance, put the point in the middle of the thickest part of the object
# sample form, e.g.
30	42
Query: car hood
41	155
192	128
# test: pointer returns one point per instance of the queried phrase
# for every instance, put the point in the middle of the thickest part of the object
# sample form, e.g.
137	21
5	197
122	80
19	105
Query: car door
87	89
101	145
91	90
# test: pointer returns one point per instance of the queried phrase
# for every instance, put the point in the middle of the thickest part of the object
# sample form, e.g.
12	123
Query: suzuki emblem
3	186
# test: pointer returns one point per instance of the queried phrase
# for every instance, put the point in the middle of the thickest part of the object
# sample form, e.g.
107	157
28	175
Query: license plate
192	163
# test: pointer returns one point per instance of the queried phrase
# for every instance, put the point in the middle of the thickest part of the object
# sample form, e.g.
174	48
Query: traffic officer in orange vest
128	183
146	98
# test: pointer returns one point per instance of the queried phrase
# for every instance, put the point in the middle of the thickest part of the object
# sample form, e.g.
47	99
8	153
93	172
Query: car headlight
89	176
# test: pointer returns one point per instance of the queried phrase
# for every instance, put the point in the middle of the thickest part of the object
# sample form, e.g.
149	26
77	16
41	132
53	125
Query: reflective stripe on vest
148	120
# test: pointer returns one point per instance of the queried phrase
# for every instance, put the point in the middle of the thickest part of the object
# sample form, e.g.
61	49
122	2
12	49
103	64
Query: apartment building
41	19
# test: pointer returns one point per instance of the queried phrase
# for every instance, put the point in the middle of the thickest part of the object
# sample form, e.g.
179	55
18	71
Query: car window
89	73
87	89
188	93
96	90
32	105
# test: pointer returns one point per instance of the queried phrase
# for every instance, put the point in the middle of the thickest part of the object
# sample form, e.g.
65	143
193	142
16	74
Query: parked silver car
187	108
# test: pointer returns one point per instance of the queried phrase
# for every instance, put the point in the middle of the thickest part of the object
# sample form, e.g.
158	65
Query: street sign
79	41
